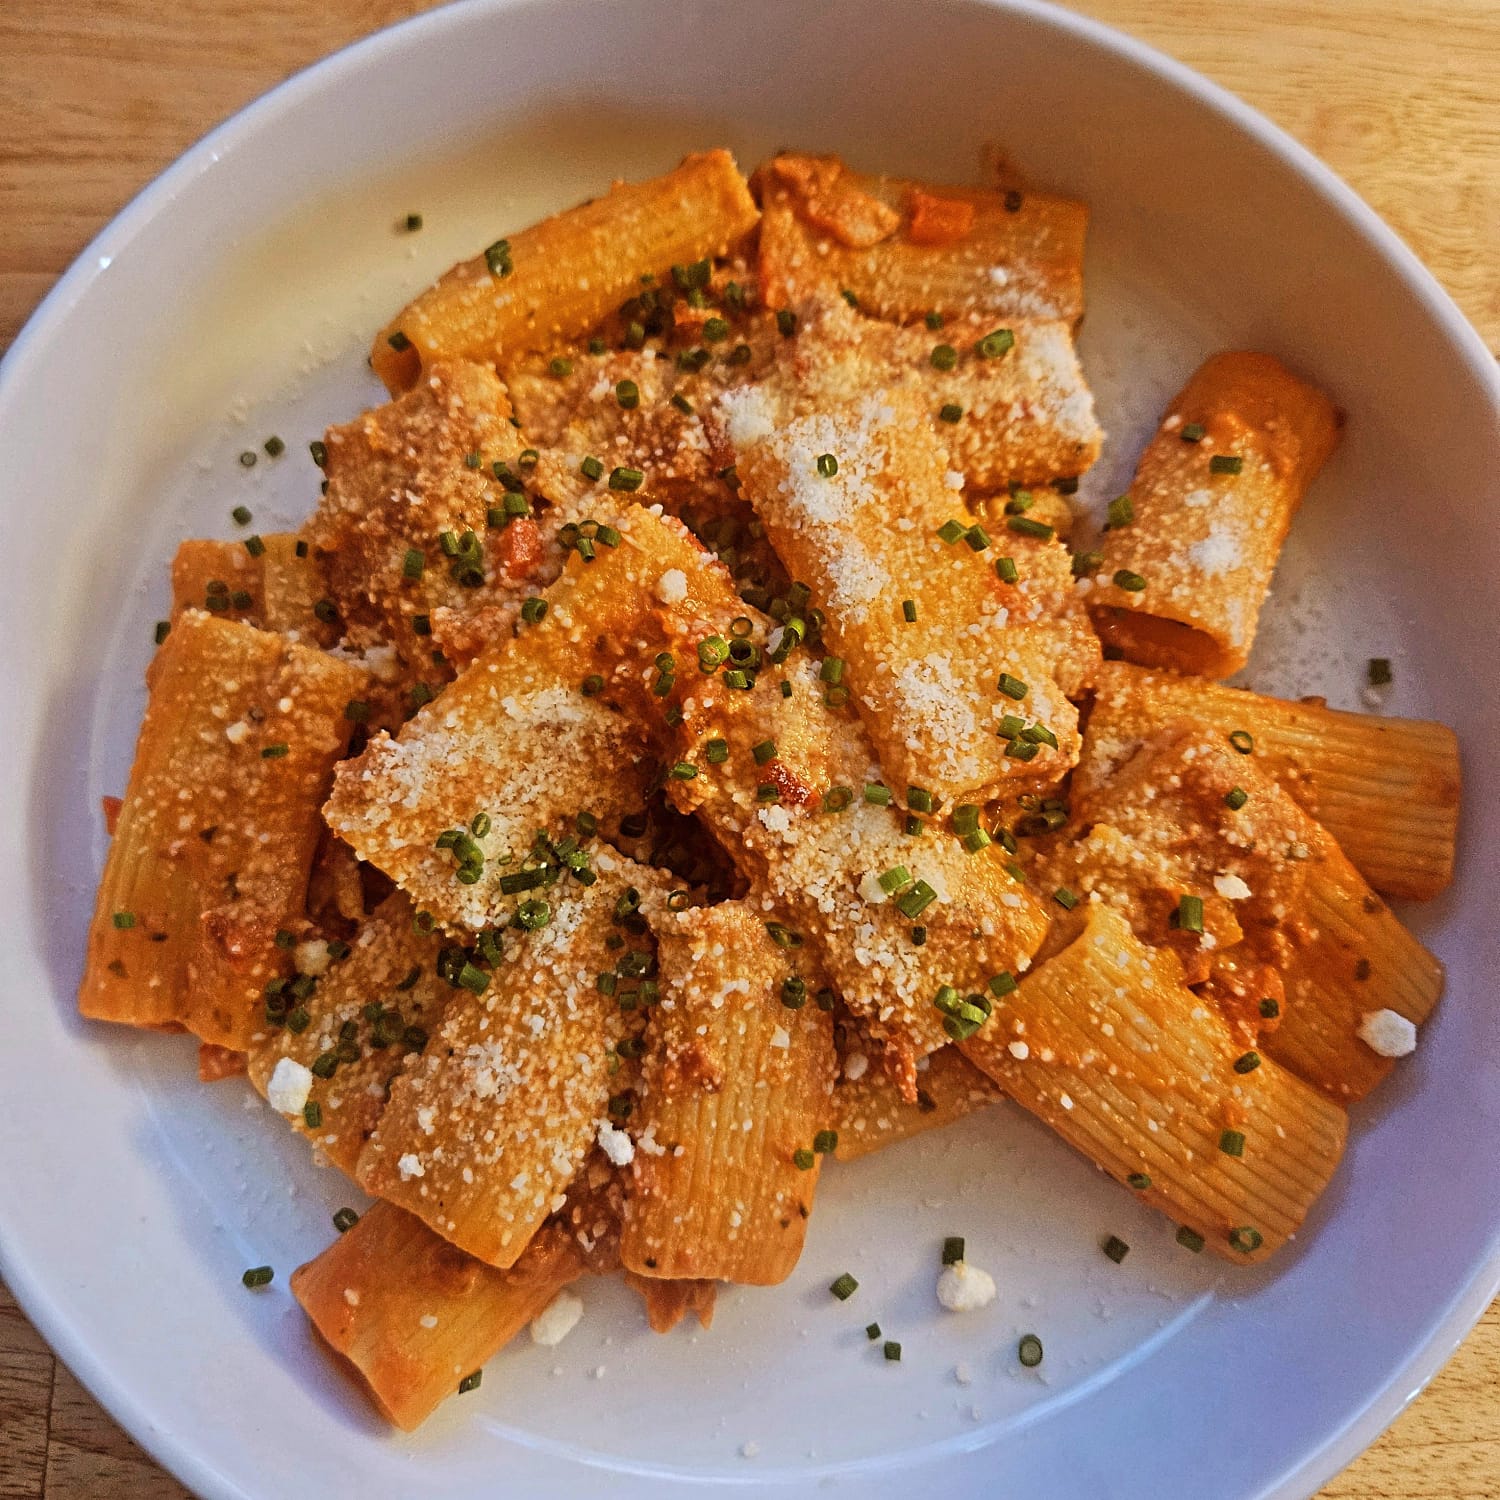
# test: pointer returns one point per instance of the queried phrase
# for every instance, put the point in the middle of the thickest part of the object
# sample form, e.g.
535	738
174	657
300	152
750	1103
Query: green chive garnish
470	1382
1245	1239
944	357
1247	1063
1121	512
1025	526
628	394
950	411
843	1287
953	1249
803	1160
908	611
826	1141
1193	432
892	1349
786	322
951	531
1270	1009
1065	898
1115	1248
274	752
1029	1351
1190	914
1236	798
828	465
1004	983
258	1276
626	479
1190	1239
879	795
1242	742
1225	463
1012	687
1001	341
1380	671
254	546
560	366
1132	583
1232	1142
872	1331
1140	1181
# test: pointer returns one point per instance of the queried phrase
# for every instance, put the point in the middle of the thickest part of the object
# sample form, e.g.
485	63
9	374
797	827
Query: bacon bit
215	1062
111	806
829	201
519	549
937	221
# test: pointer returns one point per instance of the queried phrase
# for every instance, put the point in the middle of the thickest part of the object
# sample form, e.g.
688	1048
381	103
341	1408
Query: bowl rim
27	1283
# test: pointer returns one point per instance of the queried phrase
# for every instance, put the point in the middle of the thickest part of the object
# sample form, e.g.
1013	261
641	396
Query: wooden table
1402	97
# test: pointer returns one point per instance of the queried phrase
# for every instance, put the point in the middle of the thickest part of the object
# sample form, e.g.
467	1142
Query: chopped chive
1121	512
879	795
908	611
628	394
977	538
1140	1181
1242	741
163	630
892	1349
345	1220
312	1114
1029	1351
591	468
1379	671
849	297
934	320
1247	1063
533	609
952	531
1193	432
1115	1248
786	322
832	670
258	1276
1065	898
764	751
916	900
1190	1239
919	799
475	980
1270	1008
1006	570
1189	916
560	366
470	1382
803	1160
828	465
782	936
254	546
966	817
872	1331
1001	341
1025	526
1245	1239
1225	463
626	479
1235	798
1012	687
1232	1142
247	459
826	1141
274	446
682	404
894	879
274	752
716	752
124	920
953	1249
1132	583
943	357
714	329
1004	983
950	411
592	685
241	515
319	451
1087	563
497	258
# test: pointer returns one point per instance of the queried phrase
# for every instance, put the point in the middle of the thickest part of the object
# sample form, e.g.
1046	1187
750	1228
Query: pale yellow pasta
1183	579
1108	1046
488	1125
906	249
798	821
216	835
557	279
355	1028
514	742
983	654
870	1114
1386	789
263	581
412	1316
734	1092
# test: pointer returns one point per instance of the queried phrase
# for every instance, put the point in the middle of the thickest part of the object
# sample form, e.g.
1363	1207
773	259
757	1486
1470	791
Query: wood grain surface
1401	97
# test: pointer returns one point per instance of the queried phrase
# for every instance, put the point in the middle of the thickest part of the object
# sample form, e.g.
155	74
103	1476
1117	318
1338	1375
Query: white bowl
236	297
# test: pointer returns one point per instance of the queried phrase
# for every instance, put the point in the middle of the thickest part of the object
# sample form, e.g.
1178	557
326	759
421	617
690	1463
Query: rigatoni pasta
1188	557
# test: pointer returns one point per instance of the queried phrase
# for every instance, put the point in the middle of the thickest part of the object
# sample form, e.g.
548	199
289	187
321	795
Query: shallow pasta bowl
235	299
